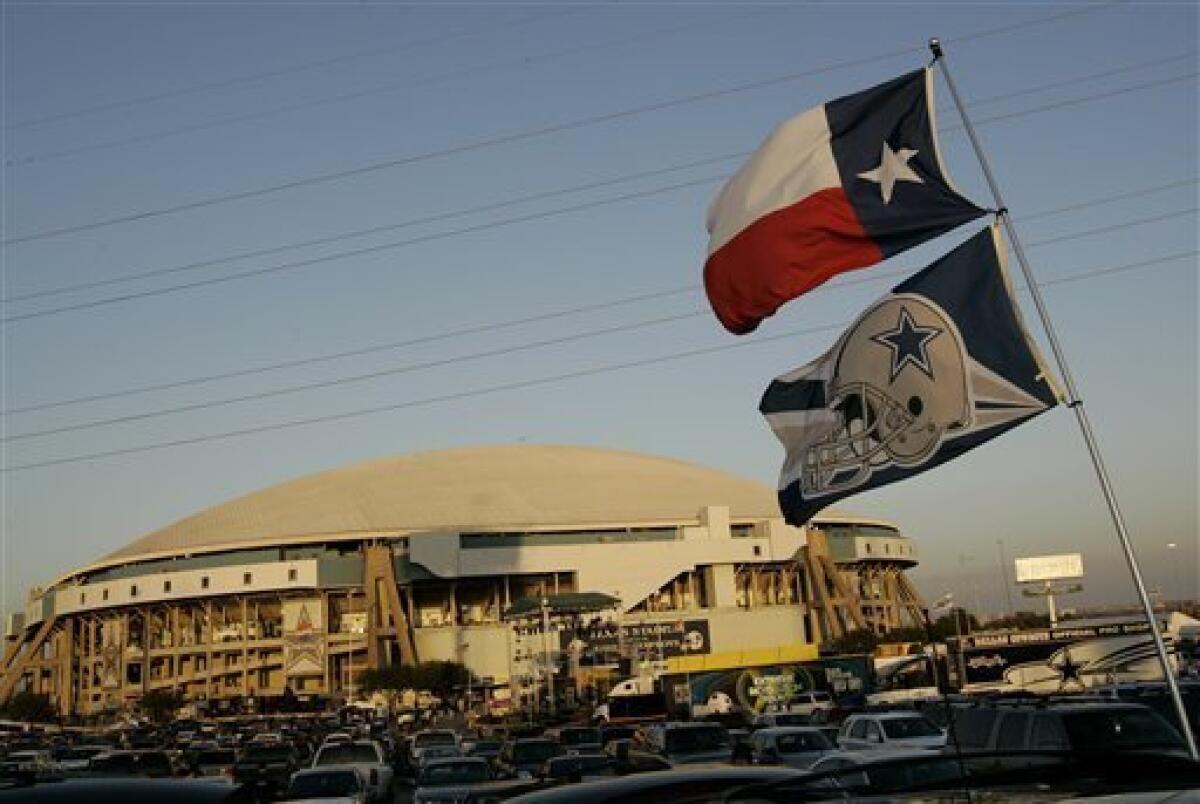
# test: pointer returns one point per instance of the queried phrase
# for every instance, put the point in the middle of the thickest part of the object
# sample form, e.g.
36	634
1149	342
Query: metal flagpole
1076	404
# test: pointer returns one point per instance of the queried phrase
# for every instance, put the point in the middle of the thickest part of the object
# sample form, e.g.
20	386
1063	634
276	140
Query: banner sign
303	637
657	640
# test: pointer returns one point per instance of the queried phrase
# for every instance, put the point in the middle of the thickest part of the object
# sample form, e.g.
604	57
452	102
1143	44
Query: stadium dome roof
492	488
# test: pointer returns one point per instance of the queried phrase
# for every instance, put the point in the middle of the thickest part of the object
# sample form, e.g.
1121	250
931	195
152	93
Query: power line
478	329
276	72
433	218
449	397
363	251
405	224
392	87
511	323
504	139
528	346
485	226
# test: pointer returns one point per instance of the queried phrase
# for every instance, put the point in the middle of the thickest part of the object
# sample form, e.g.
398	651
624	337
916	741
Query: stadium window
133	590
166	586
293	575
82	598
204	582
757	550
247	578
105	594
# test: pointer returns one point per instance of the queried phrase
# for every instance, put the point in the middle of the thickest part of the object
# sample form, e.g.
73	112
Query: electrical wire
384	89
1070	102
512	386
505	139
511	323
543	195
329	61
528	346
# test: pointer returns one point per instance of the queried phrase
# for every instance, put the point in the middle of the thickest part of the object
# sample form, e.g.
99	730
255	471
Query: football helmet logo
899	387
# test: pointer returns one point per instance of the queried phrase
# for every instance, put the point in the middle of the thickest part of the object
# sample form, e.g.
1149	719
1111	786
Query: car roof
441	761
899	714
328	769
616	789
773	731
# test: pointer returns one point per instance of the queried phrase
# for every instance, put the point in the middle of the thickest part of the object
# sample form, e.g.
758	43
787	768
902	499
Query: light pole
463	657
546	658
1004	576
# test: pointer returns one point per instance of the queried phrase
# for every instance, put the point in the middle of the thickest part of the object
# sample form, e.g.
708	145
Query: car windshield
900	728
83	752
433	738
1120	729
455	773
579	736
268	753
792	719
536	751
324	785
801	743
712	738
486	745
347	754
215	758
565	766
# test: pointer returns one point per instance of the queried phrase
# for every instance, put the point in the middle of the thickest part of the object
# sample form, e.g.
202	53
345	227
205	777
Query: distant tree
1021	620
29	707
160	705
862	640
440	678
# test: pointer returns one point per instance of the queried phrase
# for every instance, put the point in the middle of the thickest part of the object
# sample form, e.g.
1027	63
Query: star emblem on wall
893	167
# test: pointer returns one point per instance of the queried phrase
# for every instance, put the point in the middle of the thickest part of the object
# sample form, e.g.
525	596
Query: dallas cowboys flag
934	368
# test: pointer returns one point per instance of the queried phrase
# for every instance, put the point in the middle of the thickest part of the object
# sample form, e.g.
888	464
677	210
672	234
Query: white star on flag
893	167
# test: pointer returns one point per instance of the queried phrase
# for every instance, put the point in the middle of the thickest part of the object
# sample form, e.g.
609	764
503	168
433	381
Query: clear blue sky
115	109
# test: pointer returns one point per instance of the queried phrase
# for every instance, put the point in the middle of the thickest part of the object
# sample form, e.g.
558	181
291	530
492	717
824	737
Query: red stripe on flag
785	254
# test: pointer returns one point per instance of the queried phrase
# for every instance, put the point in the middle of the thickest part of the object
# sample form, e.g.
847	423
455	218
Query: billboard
303	637
1049	568
653	640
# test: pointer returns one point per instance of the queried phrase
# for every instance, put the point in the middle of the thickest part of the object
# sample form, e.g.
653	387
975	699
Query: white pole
1075	404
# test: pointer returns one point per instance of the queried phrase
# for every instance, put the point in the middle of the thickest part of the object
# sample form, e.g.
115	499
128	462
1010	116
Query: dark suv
267	768
1092	727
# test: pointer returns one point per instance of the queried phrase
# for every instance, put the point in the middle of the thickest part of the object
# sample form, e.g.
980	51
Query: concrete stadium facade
301	586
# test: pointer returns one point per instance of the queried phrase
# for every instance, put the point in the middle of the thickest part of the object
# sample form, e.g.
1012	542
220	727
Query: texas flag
838	187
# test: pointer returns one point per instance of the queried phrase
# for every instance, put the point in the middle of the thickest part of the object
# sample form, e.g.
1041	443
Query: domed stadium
296	589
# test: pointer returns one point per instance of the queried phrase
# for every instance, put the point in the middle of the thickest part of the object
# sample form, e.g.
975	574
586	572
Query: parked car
521	757
126	790
767	720
677	784
684	743
28	764
154	764
213	762
1093	727
810	701
579	739
326	785
365	755
435	753
794	746
573	768
450	780
485	748
266	768
882	767
76	759
890	730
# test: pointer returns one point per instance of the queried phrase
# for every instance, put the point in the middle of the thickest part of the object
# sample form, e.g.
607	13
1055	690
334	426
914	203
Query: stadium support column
8	681
838	609
386	620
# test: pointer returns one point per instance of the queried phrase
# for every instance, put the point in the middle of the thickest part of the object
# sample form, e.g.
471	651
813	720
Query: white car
794	746
444	780
805	703
368	757
335	783
874	730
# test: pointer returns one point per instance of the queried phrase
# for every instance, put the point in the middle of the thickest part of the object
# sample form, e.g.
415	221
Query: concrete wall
187	584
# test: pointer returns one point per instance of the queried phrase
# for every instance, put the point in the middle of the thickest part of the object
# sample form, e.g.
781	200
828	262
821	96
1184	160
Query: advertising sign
1049	568
658	640
303	637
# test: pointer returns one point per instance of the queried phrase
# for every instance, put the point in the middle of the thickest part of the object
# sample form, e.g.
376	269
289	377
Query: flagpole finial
935	47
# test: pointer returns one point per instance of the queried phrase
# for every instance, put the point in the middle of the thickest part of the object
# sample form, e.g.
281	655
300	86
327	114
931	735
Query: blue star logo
908	344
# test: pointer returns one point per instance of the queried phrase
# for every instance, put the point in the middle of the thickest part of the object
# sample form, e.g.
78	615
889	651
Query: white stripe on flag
794	162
